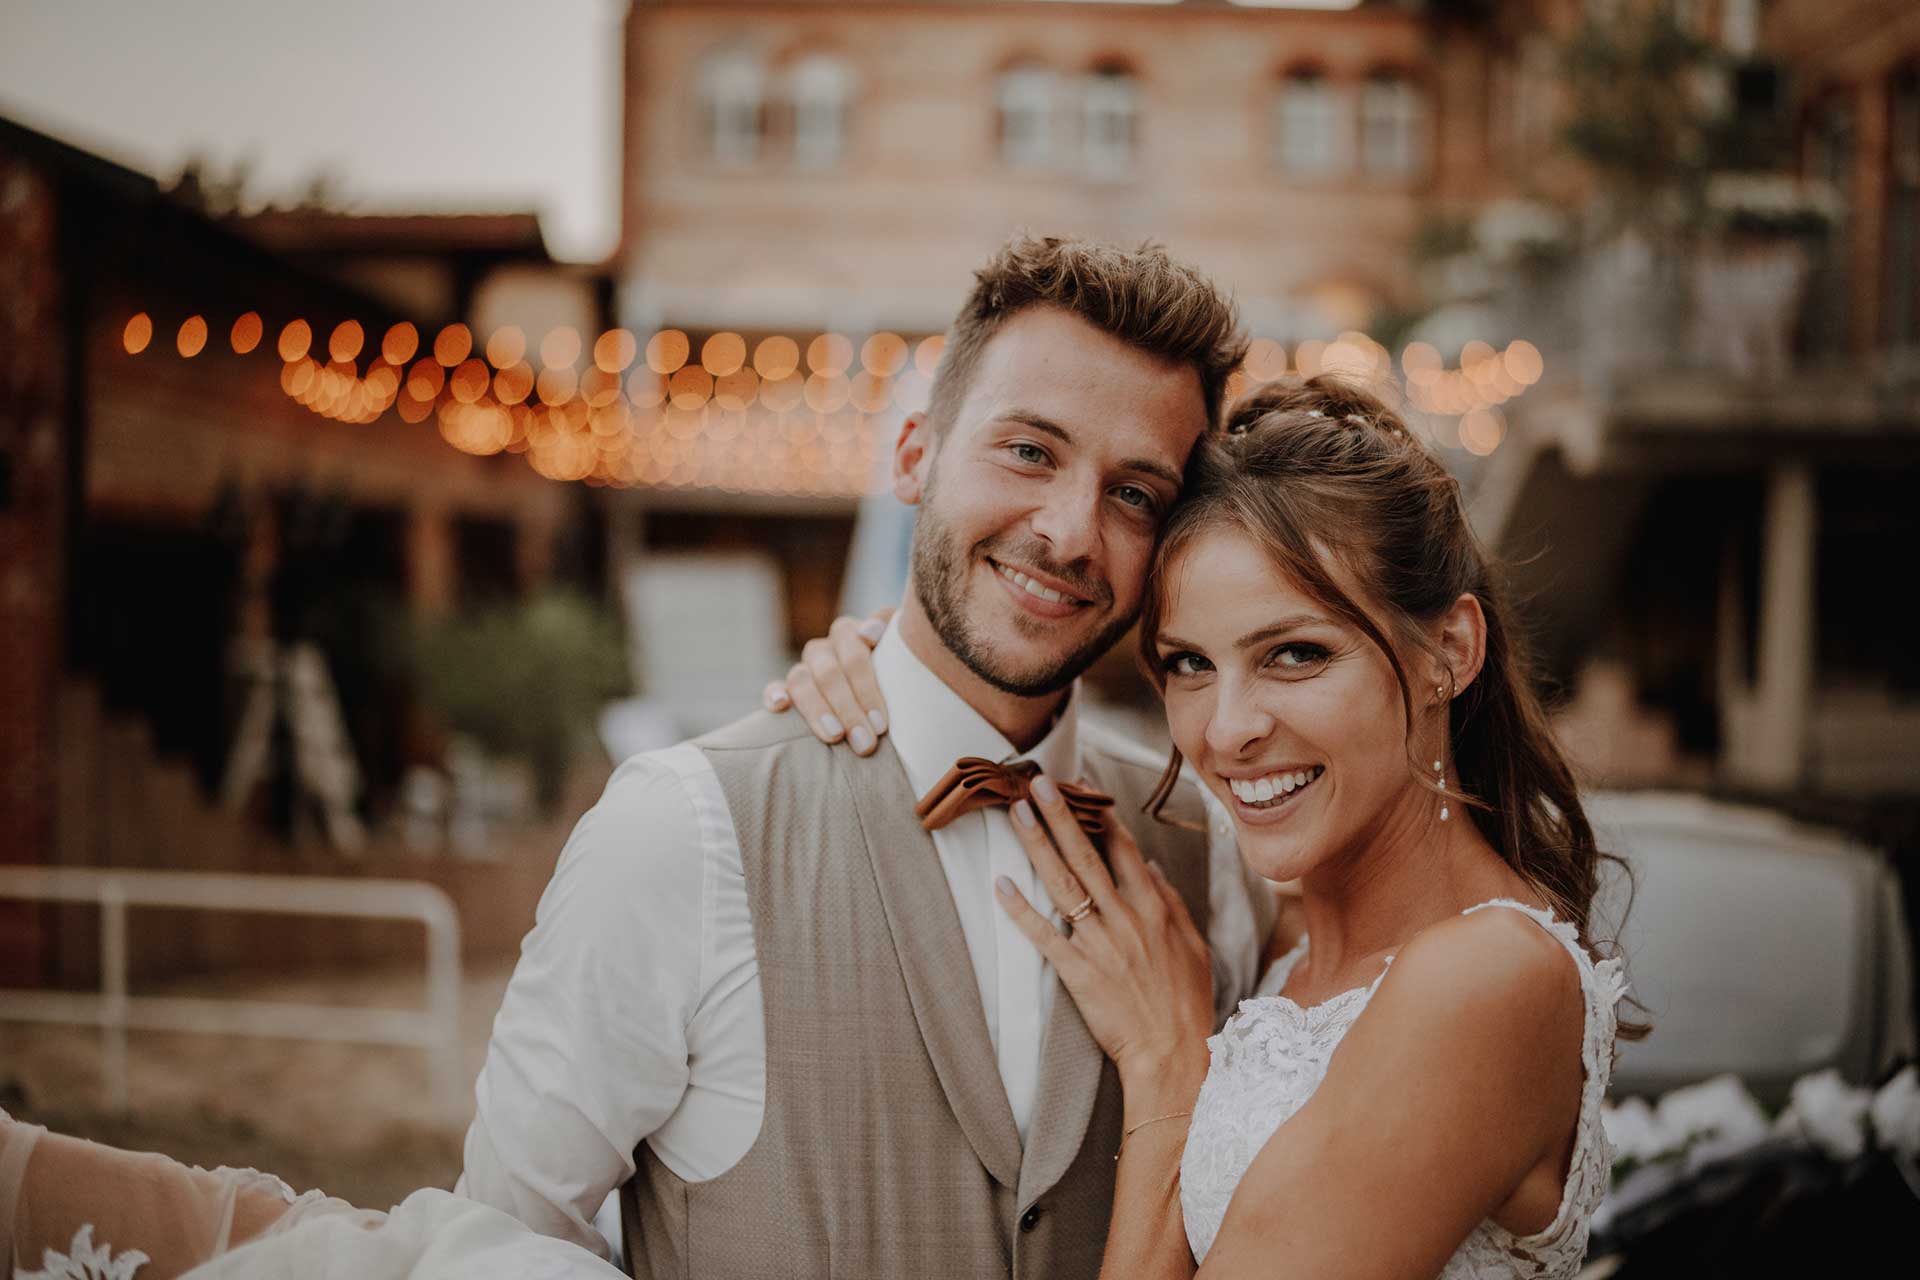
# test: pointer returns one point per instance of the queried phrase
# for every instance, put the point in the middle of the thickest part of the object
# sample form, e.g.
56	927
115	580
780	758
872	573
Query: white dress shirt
635	1011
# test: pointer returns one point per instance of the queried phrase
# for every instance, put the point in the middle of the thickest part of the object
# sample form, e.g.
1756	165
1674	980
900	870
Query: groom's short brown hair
1141	296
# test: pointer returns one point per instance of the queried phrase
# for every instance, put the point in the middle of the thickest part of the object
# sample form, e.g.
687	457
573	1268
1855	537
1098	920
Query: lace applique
1273	1053
85	1260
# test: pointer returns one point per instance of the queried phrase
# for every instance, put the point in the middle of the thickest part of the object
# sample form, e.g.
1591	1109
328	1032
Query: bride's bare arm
177	1215
833	686
1460	1079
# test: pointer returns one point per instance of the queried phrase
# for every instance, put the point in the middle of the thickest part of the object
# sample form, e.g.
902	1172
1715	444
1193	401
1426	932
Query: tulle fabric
77	1210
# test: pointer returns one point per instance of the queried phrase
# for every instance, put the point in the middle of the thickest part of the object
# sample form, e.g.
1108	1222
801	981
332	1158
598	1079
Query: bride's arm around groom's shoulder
589	1052
1460	1080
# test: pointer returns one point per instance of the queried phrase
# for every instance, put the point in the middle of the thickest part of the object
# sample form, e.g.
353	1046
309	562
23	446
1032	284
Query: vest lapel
1069	1079
933	958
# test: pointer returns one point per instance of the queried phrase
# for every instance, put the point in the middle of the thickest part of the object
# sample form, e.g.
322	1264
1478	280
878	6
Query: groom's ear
913	458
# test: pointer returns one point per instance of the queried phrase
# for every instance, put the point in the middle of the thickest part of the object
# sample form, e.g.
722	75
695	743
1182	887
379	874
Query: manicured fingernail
777	698
1003	886
1023	814
1043	787
831	723
860	740
872	629
879	721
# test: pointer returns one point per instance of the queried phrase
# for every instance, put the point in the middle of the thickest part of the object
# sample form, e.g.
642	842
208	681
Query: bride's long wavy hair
1318	471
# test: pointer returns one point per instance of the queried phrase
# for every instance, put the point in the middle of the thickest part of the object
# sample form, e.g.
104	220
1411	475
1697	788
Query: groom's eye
1032	454
1134	496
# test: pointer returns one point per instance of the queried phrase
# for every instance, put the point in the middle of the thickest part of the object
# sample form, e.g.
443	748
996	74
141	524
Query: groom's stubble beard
939	566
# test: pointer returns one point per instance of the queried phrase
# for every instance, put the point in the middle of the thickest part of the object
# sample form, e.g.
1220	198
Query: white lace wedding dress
75	1210
1272	1054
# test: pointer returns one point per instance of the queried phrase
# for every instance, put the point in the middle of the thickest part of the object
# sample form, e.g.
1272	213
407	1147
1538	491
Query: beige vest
887	1147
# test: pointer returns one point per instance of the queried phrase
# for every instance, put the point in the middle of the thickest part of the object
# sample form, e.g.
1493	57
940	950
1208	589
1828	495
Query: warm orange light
781	394
872	392
1473	353
425	379
560	348
598	387
514	383
1266	360
454	344
828	392
667	351
556	386
723	354
138	333
246	332
346	341
412	410
1523	362
1421	363
506	347
1308	355
736	390
400	344
295	340
614	350
646	388
296	376
926	356
690	387
910	391
830	353
1237	383
383	380
776	357
884	354
193	336
1481	431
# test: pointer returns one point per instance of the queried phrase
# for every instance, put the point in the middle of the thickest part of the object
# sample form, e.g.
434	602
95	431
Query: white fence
115	1012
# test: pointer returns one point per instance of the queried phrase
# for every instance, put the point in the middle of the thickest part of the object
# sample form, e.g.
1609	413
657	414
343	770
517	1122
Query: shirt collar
932	726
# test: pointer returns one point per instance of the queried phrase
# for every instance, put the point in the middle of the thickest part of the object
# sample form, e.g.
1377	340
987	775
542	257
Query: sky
437	105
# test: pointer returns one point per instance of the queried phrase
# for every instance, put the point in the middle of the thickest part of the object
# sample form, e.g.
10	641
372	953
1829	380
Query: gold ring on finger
1079	911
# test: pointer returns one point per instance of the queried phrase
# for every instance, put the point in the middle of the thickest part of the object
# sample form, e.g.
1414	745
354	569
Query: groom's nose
1069	519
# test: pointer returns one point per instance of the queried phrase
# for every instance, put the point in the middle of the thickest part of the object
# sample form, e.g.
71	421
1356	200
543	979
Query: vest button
1030	1219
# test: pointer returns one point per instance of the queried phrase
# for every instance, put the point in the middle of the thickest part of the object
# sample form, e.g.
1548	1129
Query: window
1310	129
820	89
732	91
1112	122
1026	96
1392	127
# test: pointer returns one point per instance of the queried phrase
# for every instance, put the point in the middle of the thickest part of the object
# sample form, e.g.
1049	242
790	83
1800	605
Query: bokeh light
137	334
614	350
453	345
723	353
400	344
346	341
560	349
776	357
295	340
192	338
246	333
507	346
667	351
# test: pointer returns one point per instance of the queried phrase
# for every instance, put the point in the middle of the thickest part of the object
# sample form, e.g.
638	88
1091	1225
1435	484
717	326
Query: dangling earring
1439	771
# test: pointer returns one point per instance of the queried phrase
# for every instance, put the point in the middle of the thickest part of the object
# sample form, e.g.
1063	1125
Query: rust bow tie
977	783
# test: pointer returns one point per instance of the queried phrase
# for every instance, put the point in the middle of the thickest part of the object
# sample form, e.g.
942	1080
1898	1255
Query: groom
785	1019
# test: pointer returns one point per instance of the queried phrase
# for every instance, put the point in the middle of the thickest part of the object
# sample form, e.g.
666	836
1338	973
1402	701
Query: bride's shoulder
1490	975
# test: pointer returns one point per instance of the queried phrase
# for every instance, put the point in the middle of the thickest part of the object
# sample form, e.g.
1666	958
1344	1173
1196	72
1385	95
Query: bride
1416	1089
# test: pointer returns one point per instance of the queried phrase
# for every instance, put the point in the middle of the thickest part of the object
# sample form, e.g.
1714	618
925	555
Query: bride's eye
1184	664
1298	656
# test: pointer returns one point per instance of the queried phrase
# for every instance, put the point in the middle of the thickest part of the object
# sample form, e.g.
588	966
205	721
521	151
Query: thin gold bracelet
1171	1115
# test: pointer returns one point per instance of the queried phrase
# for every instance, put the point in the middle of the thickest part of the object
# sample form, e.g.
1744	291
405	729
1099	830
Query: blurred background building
328	538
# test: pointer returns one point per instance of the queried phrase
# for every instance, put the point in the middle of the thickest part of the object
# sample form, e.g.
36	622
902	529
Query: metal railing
115	1011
